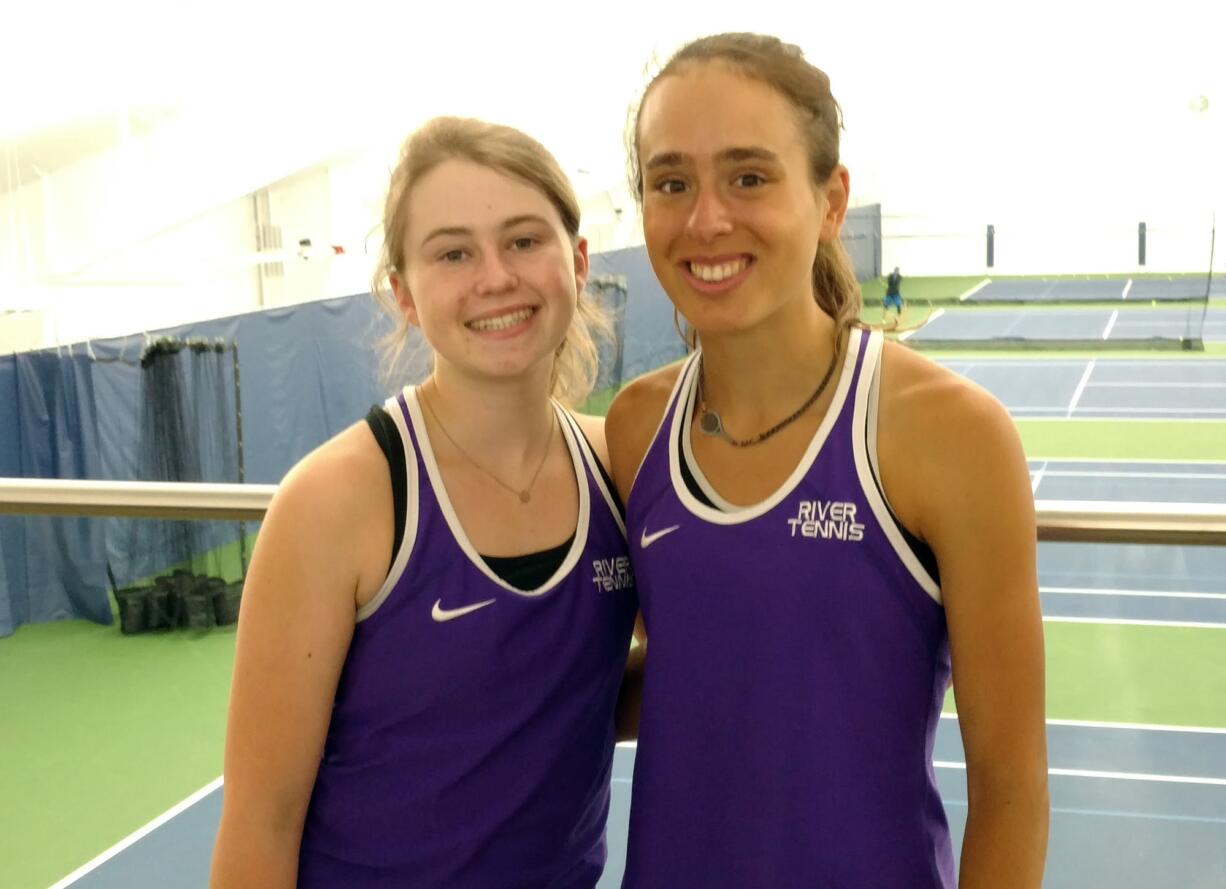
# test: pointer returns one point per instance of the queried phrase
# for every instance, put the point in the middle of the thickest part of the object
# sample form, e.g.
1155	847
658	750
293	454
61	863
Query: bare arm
631	423
966	488
294	630
630	695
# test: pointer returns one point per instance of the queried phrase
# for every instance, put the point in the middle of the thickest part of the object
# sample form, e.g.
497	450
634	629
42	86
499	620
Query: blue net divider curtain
610	292
176	573
51	568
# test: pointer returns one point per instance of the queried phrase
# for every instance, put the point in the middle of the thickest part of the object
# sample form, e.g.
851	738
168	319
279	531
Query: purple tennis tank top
797	663
471	740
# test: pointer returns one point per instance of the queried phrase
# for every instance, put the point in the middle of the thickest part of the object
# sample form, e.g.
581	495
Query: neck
768	371
503	424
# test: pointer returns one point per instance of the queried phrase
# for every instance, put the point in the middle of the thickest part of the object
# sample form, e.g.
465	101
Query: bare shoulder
341	473
633	419
336	502
593	430
929	405
640	403
944	443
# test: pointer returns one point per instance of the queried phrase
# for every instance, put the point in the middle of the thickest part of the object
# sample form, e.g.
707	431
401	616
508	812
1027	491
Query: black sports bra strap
388	436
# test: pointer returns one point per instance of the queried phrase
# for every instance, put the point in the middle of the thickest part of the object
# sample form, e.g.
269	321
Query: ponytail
834	284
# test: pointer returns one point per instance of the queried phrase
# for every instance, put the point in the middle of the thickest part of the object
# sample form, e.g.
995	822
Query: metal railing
1058	520
149	500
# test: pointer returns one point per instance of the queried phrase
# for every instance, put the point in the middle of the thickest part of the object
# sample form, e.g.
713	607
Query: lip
713	288
718	259
503	310
505	332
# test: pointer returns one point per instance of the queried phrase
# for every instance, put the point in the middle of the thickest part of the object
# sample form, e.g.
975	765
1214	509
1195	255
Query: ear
582	266
837	191
404	299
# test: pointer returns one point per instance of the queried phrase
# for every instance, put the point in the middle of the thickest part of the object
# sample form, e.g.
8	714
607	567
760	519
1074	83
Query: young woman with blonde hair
439	607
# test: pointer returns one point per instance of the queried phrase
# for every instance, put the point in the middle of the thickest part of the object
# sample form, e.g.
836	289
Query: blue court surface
1129	583
1083	326
1133	806
1139	289
1187	388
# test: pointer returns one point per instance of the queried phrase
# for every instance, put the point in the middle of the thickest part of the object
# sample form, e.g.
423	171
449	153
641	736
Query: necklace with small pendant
524	494
710	423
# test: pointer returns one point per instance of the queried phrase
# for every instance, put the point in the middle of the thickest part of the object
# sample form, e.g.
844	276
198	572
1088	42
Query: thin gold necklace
524	494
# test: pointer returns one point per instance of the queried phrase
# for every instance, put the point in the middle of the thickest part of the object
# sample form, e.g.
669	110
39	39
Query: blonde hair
509	151
781	66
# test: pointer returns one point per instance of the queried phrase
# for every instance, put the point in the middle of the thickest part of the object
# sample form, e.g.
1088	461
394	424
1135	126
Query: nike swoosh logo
442	615
648	539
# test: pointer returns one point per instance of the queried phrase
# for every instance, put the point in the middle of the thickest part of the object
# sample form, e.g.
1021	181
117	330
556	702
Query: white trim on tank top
700	477
683	412
392	406
453	521
594	471
666	416
864	426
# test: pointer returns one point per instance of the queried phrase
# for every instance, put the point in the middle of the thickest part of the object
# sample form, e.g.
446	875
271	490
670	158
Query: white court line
1156	385
1164	476
1134	461
934	316
1123	726
633	745
1081	387
1137	594
1139	726
1127	287
1123	419
139	834
1122	622
1065	362
1111	323
982	284
1117	412
1045	408
1037	480
1110	776
1158	410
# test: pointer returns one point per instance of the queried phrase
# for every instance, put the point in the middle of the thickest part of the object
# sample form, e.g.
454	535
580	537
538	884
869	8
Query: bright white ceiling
939	97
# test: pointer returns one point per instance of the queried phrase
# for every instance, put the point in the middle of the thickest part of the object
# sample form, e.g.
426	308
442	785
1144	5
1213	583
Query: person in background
893	292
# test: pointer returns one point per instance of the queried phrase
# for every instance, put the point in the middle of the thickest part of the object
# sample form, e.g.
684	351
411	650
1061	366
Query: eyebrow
463	231
735	154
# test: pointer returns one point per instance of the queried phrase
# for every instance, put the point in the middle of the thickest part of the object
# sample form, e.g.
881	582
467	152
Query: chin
709	321
519	368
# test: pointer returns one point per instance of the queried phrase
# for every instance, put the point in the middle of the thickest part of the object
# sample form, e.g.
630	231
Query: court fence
178	598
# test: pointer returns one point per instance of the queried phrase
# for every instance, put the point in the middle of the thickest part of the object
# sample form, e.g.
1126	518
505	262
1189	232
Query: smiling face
731	215
491	275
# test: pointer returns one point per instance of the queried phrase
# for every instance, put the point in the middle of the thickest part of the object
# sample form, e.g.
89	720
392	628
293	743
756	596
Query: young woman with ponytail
824	527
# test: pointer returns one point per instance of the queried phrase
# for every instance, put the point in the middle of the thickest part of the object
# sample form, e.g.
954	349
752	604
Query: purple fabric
796	671
475	751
